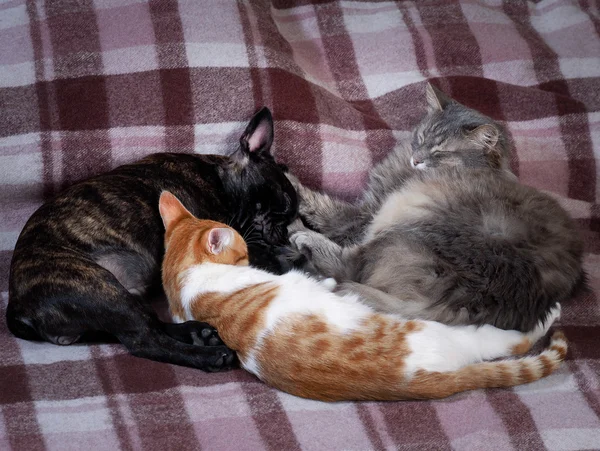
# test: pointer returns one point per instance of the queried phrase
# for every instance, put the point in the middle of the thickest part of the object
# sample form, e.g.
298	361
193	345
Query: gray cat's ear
436	99
485	135
171	209
218	239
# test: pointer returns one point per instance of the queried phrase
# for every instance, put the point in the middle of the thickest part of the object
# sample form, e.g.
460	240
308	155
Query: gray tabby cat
446	232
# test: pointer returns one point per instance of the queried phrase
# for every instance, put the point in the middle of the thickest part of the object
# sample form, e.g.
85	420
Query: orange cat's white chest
297	294
305	296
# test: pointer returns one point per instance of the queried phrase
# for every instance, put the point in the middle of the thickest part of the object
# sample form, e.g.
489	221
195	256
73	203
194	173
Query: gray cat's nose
414	161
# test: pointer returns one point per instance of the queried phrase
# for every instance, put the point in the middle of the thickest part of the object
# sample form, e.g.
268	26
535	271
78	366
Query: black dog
85	260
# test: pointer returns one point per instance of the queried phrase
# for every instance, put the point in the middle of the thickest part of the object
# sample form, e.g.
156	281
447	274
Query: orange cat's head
190	241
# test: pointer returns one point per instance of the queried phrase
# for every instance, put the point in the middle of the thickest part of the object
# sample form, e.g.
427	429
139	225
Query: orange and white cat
296	335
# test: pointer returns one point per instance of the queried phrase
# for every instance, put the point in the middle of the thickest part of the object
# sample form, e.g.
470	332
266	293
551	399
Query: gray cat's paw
305	240
297	226
311	241
323	254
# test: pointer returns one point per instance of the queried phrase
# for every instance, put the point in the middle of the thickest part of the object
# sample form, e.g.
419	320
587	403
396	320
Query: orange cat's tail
502	373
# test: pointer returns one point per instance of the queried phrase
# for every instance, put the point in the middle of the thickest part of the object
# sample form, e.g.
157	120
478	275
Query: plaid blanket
86	85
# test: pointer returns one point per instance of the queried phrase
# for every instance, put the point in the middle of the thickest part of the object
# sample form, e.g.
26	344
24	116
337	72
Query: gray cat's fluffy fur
445	231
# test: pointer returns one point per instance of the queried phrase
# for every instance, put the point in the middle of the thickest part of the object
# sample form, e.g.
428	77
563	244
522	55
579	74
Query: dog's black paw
194	332
222	360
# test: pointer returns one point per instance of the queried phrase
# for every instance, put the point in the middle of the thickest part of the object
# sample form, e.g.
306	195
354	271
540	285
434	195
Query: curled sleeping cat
296	335
446	232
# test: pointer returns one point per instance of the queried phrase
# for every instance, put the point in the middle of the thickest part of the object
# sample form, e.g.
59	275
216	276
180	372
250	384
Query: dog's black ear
258	136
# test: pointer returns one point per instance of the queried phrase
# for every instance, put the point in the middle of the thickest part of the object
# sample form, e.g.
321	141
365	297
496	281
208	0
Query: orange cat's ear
171	209
219	239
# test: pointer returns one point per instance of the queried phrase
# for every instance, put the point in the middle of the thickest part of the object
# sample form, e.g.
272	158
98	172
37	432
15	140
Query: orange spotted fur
310	354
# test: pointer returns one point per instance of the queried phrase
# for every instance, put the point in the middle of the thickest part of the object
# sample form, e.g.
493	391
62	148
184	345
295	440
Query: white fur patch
330	283
542	328
439	347
250	364
220	278
419	166
400	205
300	294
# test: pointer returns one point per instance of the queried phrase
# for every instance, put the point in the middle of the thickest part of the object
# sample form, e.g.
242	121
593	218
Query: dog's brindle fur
84	260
